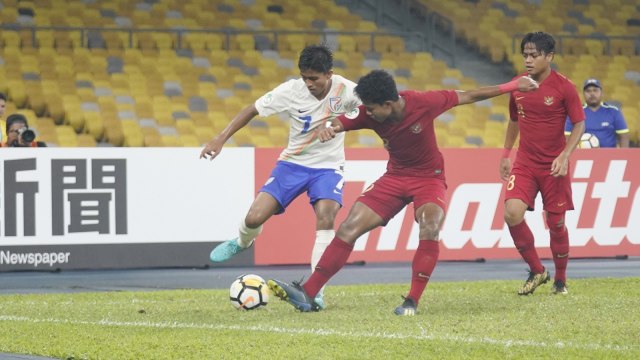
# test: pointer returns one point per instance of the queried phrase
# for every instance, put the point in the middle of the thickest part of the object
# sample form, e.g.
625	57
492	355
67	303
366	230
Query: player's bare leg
263	207
524	242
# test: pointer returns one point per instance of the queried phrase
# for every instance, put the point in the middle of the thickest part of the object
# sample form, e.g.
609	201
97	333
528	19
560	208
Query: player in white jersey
306	165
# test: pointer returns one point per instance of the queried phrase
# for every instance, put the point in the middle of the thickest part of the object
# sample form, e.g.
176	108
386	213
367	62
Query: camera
27	135
19	134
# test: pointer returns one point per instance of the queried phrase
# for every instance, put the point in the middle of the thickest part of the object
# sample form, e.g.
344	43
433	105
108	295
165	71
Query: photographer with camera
19	134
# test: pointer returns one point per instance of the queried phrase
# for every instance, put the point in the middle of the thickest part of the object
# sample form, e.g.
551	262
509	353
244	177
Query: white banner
58	196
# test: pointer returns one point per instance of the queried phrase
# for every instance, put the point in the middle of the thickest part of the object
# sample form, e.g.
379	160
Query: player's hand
560	165
212	149
328	133
505	168
526	83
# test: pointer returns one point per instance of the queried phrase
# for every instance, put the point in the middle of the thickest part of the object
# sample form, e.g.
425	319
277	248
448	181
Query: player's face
536	62
593	95
318	83
378	112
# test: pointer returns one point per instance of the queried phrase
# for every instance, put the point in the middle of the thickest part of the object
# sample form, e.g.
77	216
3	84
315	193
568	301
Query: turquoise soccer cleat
319	300
225	251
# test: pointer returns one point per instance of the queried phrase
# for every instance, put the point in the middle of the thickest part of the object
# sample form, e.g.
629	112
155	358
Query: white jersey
306	115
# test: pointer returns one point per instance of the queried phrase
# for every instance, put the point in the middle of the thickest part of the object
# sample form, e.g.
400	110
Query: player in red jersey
415	173
542	162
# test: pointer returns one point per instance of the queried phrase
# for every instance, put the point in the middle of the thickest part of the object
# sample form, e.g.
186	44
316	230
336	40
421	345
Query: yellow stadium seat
189	140
170	141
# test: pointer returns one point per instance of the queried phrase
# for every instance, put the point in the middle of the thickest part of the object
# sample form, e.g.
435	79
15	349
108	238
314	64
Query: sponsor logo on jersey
548	100
353	114
335	104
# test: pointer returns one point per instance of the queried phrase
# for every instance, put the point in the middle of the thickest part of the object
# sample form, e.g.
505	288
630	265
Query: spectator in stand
604	121
19	134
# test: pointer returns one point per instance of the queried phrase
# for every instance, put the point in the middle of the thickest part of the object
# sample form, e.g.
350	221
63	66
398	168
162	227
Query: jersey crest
335	104
548	100
416	129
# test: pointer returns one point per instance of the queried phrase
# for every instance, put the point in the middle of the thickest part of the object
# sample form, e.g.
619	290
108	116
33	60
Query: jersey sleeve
439	101
275	101
353	101
354	119
573	104
619	124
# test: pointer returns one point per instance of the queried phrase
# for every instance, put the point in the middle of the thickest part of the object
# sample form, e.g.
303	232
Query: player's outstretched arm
560	165
330	131
523	84
214	146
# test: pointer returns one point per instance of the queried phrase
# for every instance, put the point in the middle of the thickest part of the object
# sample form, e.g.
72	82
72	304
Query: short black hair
377	87
3	97
544	42
318	58
15	118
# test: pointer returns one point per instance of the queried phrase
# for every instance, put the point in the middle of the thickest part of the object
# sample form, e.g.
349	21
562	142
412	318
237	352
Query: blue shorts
289	180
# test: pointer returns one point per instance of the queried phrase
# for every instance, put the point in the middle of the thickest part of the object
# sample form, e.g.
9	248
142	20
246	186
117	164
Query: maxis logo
35	259
599	202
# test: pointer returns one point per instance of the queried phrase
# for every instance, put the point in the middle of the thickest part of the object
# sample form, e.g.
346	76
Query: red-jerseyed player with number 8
542	161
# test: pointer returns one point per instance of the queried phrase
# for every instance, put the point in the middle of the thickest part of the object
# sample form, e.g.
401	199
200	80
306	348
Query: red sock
523	239
560	251
424	261
332	260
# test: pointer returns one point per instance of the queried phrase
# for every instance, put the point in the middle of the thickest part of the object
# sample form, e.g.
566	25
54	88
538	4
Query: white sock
323	239
247	234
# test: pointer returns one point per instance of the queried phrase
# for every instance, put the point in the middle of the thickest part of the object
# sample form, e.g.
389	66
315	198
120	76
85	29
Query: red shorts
391	193
525	182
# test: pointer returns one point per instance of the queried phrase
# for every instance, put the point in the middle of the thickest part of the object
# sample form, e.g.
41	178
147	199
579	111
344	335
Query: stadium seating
162	88
583	50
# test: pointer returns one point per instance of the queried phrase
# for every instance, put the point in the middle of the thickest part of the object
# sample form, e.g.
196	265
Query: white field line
328	332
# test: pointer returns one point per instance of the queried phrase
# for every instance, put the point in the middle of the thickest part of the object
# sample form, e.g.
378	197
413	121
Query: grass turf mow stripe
325	332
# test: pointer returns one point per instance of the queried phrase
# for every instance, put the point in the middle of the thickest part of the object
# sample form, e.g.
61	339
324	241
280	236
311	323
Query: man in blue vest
602	120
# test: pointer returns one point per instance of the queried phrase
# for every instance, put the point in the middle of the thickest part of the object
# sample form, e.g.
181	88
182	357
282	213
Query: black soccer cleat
408	307
294	294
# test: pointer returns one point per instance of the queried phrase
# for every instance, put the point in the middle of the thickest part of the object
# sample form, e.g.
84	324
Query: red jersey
412	146
541	116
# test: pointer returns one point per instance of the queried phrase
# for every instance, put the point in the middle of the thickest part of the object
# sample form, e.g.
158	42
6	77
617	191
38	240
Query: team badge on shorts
267	99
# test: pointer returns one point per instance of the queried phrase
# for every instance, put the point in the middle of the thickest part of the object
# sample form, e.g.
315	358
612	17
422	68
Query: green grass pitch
599	319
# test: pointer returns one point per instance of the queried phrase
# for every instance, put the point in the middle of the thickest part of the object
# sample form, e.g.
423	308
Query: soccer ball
588	141
249	292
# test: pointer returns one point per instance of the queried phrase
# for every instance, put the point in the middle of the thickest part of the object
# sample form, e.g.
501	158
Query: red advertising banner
605	222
